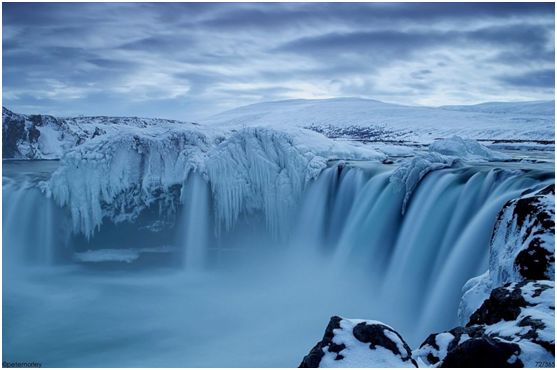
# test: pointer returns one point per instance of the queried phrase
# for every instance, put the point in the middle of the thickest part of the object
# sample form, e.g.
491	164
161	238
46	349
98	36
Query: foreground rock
522	248
359	343
514	327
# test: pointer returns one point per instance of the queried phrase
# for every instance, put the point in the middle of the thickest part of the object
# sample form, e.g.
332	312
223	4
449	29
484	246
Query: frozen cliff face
119	175
514	327
522	247
48	137
359	343
259	170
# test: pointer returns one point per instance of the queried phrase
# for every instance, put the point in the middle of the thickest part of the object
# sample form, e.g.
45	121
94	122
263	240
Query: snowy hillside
48	137
375	120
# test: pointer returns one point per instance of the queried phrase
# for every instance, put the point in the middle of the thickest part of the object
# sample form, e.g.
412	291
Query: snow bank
466	149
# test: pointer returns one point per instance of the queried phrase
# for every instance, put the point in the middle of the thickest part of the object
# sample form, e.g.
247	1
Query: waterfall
32	230
416	263
194	235
350	218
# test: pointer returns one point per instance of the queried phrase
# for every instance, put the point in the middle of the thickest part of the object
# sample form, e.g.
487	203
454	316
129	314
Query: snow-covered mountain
374	120
48	137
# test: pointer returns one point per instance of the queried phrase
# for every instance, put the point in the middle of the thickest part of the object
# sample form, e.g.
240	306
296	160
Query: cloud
542	79
186	60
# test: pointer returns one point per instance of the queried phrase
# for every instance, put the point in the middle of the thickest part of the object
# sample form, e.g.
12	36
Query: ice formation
119	175
253	170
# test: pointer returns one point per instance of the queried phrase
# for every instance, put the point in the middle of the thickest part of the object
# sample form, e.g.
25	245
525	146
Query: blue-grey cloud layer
189	60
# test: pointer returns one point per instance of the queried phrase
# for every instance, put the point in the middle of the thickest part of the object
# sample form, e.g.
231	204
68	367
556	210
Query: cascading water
350	250
31	223
416	263
196	220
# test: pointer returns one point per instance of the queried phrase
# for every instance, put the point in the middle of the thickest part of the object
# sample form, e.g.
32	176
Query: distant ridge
351	116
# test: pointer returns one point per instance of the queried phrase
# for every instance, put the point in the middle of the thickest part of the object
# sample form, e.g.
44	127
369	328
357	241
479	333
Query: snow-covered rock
522	247
523	241
31	137
466	149
514	327
359	343
464	347
48	137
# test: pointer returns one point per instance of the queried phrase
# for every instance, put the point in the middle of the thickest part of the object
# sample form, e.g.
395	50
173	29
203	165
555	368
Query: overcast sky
186	61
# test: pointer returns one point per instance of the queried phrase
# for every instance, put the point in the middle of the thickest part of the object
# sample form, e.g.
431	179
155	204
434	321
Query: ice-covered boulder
522	247
466	149
359	343
514	327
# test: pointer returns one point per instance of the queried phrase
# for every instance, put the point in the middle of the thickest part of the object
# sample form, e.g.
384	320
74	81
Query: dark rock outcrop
313	358
514	327
483	352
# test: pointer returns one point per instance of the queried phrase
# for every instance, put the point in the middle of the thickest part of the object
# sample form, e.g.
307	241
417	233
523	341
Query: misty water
186	296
